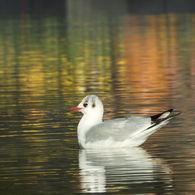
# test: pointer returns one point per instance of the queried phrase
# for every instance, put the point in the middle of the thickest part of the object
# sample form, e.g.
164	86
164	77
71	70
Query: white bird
124	132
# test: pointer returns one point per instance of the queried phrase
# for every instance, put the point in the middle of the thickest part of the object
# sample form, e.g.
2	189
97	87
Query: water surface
136	64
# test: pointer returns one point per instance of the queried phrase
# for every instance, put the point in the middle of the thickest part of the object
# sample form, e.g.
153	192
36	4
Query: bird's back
118	129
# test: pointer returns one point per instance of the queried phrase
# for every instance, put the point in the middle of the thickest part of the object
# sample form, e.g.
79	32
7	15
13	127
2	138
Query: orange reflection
144	70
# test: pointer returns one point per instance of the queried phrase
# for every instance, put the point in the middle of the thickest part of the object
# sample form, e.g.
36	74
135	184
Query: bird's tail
164	116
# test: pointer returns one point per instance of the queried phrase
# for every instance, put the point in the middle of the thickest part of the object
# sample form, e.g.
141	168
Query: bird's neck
85	124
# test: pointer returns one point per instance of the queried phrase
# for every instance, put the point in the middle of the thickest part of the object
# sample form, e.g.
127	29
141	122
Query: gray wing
118	129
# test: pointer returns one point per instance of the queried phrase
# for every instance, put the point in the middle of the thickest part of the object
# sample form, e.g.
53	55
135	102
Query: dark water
136	64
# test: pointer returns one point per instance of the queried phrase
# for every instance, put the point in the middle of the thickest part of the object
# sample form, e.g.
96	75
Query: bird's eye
85	104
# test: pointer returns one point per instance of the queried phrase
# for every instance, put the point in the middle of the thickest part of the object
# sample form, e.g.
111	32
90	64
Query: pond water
137	65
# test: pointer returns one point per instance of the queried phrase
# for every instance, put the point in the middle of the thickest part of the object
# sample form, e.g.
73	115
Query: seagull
92	132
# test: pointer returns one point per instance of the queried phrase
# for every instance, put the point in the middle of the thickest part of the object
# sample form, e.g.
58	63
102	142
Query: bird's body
127	132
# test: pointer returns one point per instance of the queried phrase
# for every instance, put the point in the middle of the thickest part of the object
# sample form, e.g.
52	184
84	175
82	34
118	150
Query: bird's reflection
102	170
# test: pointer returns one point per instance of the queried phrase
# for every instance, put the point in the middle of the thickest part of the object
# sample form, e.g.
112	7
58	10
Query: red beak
75	109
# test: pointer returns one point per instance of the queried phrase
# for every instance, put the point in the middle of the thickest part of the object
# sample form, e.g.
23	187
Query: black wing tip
175	112
156	118
170	110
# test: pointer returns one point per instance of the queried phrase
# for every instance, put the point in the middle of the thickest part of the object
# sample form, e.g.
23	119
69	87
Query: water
136	64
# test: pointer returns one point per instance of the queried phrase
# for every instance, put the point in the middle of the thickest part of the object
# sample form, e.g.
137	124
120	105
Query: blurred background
137	56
